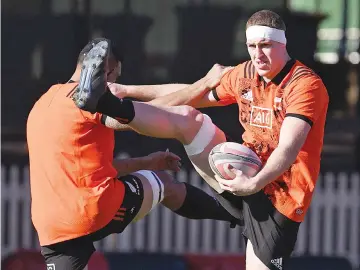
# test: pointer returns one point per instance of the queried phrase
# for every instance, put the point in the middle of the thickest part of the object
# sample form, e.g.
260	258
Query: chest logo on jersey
247	94
261	117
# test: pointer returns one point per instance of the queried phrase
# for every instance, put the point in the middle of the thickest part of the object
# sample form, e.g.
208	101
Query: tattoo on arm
114	124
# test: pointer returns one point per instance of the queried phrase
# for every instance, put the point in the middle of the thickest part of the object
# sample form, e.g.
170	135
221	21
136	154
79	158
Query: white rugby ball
235	154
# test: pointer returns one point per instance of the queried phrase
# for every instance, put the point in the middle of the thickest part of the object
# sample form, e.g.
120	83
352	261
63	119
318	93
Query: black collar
286	69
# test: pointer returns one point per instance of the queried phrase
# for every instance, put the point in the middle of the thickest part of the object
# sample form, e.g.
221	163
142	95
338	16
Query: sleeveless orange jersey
298	92
73	187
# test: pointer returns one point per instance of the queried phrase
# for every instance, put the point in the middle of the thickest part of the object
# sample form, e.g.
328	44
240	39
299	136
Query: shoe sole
91	88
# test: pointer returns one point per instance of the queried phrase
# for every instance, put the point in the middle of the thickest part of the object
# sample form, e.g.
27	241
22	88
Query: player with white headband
282	108
259	31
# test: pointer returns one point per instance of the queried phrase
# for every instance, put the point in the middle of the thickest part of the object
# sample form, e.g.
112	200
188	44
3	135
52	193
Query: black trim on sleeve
215	94
300	116
103	119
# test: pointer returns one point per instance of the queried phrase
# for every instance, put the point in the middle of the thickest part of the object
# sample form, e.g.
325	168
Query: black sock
200	205
120	109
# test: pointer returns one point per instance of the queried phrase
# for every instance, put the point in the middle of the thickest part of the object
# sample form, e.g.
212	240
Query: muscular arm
161	117
197	95
145	92
293	134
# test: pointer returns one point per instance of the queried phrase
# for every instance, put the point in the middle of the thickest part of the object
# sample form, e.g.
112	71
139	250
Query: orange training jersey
72	180
298	92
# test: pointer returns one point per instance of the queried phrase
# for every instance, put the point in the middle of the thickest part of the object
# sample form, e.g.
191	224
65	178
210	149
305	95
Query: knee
172	188
190	123
188	112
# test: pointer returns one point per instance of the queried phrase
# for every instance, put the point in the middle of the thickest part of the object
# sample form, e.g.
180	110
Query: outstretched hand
215	74
160	161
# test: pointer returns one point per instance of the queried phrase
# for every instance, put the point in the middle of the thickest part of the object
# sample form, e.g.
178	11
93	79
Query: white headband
260	31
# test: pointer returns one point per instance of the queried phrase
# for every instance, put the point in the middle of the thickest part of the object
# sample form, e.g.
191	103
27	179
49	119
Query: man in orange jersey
282	107
79	193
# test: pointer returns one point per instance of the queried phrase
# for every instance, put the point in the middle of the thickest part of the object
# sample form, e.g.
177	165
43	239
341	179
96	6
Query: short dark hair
116	53
266	18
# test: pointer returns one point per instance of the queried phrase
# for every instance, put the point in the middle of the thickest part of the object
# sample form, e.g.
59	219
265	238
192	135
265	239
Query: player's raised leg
184	123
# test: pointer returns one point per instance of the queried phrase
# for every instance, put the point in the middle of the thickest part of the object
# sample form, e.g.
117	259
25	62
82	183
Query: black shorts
272	234
75	254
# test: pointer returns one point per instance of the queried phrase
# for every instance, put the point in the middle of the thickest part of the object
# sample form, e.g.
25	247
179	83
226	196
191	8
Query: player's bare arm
145	92
184	123
293	135
172	121
199	94
196	95
199	90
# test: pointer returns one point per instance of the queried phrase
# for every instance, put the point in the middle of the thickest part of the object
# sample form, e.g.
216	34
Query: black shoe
93	78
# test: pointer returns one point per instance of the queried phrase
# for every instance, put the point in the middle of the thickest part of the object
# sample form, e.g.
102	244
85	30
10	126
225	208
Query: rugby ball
235	154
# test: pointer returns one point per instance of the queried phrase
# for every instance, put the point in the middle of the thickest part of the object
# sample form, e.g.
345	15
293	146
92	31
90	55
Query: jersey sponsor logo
261	117
277	263
50	266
